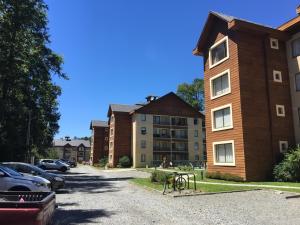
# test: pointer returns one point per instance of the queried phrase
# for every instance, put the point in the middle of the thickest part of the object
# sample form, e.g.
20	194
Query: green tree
28	97
193	93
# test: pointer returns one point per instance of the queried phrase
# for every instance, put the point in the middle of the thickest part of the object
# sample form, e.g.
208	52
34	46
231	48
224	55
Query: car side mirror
2	174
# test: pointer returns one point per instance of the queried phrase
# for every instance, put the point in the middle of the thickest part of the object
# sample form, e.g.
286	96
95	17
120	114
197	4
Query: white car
11	180
53	164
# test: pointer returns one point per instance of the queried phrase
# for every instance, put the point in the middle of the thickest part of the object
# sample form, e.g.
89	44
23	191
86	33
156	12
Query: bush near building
289	168
223	176
124	162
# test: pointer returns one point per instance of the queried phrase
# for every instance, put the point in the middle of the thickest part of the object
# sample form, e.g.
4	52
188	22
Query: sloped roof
124	108
73	143
98	123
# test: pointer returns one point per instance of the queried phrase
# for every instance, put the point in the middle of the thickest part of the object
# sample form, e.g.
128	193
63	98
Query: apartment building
251	99
165	128
99	140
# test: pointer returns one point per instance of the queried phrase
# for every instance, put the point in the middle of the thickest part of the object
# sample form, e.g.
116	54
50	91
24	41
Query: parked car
71	163
11	180
26	208
53	164
57	181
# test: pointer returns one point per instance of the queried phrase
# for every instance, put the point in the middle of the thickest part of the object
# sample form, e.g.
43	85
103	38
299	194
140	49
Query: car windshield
36	169
10	171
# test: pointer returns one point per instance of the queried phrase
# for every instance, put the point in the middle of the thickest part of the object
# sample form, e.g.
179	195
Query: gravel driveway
106	197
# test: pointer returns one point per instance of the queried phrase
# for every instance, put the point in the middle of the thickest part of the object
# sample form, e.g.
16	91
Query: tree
28	97
193	93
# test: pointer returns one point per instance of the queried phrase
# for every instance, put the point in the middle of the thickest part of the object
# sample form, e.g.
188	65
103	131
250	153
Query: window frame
296	89
213	118
277	72
143	144
233	153
215	77
224	39
276	41
280	146
196	133
143	117
283	110
292	46
145	129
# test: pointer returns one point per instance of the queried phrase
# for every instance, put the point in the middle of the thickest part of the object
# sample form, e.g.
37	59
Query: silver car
11	180
53	164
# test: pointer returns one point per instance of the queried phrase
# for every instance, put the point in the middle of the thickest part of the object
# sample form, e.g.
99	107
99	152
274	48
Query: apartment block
99	140
165	128
251	98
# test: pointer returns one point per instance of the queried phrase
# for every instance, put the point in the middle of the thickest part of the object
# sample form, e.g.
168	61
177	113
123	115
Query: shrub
223	176
103	162
289	168
185	168
159	176
124	162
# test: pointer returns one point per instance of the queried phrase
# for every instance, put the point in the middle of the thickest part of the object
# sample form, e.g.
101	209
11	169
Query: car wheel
19	188
63	169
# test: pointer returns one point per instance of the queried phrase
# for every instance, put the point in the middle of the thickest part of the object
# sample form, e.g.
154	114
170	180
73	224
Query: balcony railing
161	135
161	149
180	136
161	122
179	123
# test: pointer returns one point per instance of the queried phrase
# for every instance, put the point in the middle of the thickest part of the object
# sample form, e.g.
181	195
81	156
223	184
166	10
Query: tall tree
28	97
193	93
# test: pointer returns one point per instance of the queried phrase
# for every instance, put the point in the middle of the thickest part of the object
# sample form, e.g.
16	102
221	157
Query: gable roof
98	123
122	108
233	23
160	99
73	143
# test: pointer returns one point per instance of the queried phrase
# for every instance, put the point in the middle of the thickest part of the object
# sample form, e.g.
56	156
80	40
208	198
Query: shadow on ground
78	216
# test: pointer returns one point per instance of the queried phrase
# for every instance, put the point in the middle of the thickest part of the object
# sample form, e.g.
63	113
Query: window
195	121
143	130
280	111
224	153
274	43
297	81
143	144
143	158
222	118
218	53
196	146
110	157
299	115
296	47
283	146
195	133
277	77
111	145
156	119
197	157
112	118
220	84
143	117
111	131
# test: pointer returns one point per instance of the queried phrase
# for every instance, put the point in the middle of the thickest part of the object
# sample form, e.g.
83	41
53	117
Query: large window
143	130
222	118
220	84
218	52
296	47
297	80
224	153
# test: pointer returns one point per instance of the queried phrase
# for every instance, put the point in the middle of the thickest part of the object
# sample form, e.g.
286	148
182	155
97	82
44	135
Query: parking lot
106	197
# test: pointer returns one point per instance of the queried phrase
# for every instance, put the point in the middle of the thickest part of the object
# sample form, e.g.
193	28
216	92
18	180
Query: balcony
180	136
161	136
161	149
161	122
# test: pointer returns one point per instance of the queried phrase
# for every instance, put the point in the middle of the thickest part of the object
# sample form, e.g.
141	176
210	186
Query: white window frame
233	153
275	73
213	118
215	45
280	146
277	110
276	41
215	77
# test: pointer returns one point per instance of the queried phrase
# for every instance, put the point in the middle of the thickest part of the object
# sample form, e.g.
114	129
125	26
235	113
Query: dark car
69	162
57	181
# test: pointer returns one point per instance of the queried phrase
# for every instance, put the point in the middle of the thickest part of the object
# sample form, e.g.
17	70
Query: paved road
106	197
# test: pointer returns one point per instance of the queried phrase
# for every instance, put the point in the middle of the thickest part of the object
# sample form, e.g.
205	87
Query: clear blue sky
118	51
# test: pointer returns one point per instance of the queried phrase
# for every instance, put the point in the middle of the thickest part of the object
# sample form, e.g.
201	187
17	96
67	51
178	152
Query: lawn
145	182
208	187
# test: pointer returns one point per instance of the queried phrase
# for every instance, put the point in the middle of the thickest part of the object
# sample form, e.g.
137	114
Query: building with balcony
252	86
99	140
162	129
